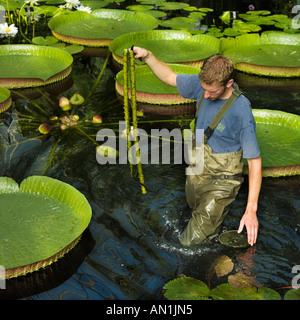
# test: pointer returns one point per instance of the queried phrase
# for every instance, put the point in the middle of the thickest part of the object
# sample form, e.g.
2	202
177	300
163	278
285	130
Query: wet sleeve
189	86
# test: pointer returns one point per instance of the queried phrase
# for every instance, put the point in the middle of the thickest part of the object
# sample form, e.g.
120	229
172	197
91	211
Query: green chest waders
211	193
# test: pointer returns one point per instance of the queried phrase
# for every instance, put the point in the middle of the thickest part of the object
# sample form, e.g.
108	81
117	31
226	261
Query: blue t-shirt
235	131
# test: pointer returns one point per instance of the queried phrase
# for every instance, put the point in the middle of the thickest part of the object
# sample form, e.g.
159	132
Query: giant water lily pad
278	135
170	46
5	99
41	220
31	65
273	53
100	27
149	89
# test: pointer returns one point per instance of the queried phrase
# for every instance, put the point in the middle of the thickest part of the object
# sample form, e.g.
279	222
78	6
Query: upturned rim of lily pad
147	92
105	39
35	76
251	42
191	49
5	99
40	251
281	120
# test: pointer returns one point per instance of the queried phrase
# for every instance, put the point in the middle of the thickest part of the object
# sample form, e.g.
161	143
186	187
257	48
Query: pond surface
131	247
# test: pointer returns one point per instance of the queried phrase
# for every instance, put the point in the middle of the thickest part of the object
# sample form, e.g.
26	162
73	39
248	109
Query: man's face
214	91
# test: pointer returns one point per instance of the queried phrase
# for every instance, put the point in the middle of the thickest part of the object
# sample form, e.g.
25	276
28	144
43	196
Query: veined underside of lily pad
5	99
31	65
278	135
149	89
170	46
100	27
272	54
41	221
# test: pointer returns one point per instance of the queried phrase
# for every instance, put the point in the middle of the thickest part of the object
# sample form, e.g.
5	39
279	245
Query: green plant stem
20	25
126	103
85	134
52	154
99	76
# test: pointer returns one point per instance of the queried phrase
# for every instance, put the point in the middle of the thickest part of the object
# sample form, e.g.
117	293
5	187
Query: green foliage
242	288
186	288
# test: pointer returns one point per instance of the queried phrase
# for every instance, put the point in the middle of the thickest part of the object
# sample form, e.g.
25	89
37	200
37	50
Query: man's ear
229	83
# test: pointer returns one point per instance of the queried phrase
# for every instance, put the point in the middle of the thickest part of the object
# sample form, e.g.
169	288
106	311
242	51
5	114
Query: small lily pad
233	239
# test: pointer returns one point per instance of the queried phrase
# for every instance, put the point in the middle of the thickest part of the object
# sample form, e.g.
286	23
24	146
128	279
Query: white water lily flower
32	2
7	31
83	8
72	3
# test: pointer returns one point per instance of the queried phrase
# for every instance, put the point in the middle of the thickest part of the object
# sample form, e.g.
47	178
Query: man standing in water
229	140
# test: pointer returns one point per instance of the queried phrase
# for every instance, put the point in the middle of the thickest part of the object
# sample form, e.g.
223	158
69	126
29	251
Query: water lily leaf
173	5
179	23
40	221
197	15
73	48
94	4
5	99
168	45
293	294
44	41
273	53
257	294
258	12
140	7
278	135
240	280
99	27
12	4
32	65
186	288
223	266
223	291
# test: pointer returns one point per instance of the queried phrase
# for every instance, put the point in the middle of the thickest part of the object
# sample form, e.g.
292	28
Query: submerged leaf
240	280
223	266
186	288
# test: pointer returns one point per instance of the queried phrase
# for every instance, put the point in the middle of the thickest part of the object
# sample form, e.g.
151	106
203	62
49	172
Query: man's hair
216	69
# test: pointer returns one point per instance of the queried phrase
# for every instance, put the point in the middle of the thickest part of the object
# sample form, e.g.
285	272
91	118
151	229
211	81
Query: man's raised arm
159	68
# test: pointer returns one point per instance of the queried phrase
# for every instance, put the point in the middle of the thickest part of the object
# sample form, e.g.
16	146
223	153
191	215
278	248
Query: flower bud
76	99
63	127
64	103
44	128
97	119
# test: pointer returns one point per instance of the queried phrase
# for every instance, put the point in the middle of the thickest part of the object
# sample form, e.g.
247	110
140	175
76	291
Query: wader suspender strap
210	129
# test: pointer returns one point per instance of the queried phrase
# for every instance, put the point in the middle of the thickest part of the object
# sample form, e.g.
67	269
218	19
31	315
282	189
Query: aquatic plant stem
99	76
51	155
126	103
134	119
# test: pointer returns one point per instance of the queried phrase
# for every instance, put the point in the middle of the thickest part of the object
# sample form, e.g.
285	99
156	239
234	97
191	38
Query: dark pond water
131	247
